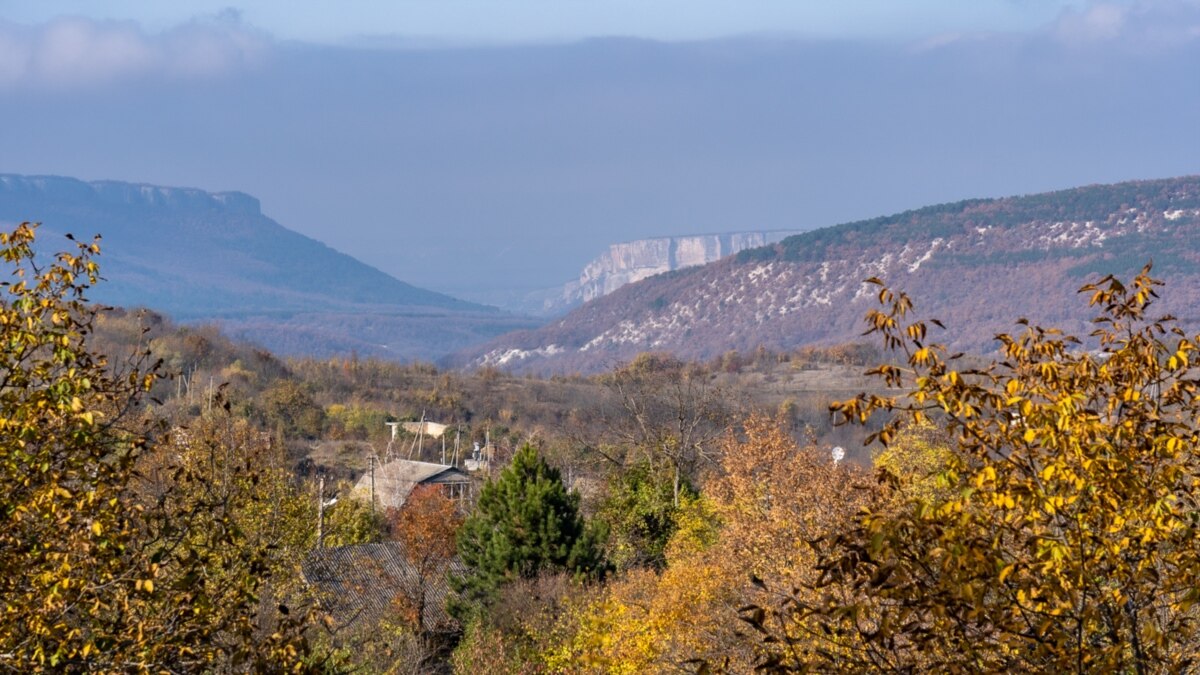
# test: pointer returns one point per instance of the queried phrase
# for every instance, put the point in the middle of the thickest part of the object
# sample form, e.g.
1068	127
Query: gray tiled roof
358	584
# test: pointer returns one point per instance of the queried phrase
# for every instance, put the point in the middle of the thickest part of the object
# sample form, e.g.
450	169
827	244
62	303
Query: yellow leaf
97	528
1004	573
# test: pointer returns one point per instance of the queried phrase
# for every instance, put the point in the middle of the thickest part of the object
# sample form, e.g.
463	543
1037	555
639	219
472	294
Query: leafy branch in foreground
123	551
1063	533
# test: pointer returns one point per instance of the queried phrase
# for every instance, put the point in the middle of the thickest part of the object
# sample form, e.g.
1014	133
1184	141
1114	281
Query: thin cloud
1143	24
72	52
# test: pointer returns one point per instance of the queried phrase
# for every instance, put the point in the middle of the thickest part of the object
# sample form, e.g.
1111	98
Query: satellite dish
838	454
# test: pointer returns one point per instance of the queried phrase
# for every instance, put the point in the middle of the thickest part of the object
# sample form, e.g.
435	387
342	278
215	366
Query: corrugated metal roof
396	479
359	584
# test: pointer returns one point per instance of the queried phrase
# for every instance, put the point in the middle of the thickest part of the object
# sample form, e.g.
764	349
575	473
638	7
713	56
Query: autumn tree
1066	535
99	573
525	523
746	532
68	439
287	404
348	521
426	526
669	413
640	511
226	529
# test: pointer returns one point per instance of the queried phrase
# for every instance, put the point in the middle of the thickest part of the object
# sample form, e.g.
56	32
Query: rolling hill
977	265
203	256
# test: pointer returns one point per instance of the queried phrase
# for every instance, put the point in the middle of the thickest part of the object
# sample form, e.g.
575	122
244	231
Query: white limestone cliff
632	261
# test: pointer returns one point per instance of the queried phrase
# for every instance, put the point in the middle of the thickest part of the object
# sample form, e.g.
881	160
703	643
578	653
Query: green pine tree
526	522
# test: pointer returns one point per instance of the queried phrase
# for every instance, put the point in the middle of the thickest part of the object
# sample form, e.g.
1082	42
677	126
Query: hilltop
204	256
974	264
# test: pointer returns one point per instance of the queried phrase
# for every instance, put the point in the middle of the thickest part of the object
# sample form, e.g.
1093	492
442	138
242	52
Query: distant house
394	481
432	429
360	585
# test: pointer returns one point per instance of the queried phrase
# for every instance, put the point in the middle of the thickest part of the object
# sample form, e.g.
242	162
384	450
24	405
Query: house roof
396	479
358	585
418	472
428	428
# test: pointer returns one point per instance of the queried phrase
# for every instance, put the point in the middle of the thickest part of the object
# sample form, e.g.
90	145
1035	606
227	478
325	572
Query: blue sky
512	153
520	20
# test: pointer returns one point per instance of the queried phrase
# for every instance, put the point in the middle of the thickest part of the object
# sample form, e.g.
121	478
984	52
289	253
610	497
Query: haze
478	152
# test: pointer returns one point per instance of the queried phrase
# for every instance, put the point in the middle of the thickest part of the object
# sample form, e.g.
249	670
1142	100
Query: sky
490	21
489	149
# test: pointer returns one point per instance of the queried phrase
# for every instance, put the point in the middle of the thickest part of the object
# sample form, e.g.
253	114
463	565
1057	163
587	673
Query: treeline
1100	203
347	401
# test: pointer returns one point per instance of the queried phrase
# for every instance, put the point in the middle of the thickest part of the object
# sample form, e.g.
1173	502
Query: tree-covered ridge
1012	257
1104	204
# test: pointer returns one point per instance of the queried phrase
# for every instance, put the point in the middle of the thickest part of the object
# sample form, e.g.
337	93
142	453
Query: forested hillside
975	264
216	257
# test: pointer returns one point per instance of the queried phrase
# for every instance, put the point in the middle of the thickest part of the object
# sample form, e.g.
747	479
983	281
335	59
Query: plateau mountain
203	256
976	265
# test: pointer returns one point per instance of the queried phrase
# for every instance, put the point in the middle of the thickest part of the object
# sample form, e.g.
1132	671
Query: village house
389	485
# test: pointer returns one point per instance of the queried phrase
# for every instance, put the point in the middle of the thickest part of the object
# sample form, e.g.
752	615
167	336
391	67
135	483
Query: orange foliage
426	525
770	497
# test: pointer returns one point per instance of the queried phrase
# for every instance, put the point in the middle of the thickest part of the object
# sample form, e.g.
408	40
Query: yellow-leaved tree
106	568
747	533
1063	535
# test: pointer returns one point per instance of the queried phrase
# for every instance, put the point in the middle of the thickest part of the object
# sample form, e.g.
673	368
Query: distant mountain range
203	256
977	265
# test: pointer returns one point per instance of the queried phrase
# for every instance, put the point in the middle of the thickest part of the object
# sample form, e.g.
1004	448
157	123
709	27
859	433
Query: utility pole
372	483
321	511
387	454
418	439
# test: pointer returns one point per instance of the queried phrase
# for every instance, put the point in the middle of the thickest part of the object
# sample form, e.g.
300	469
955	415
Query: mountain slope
215	256
976	265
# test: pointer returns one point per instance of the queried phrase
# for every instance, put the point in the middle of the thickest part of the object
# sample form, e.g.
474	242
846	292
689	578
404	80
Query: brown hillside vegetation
979	264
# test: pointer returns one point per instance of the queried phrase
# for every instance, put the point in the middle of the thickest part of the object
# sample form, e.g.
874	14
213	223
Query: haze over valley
458	337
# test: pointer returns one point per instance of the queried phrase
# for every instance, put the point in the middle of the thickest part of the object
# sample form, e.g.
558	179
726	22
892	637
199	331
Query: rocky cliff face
633	261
